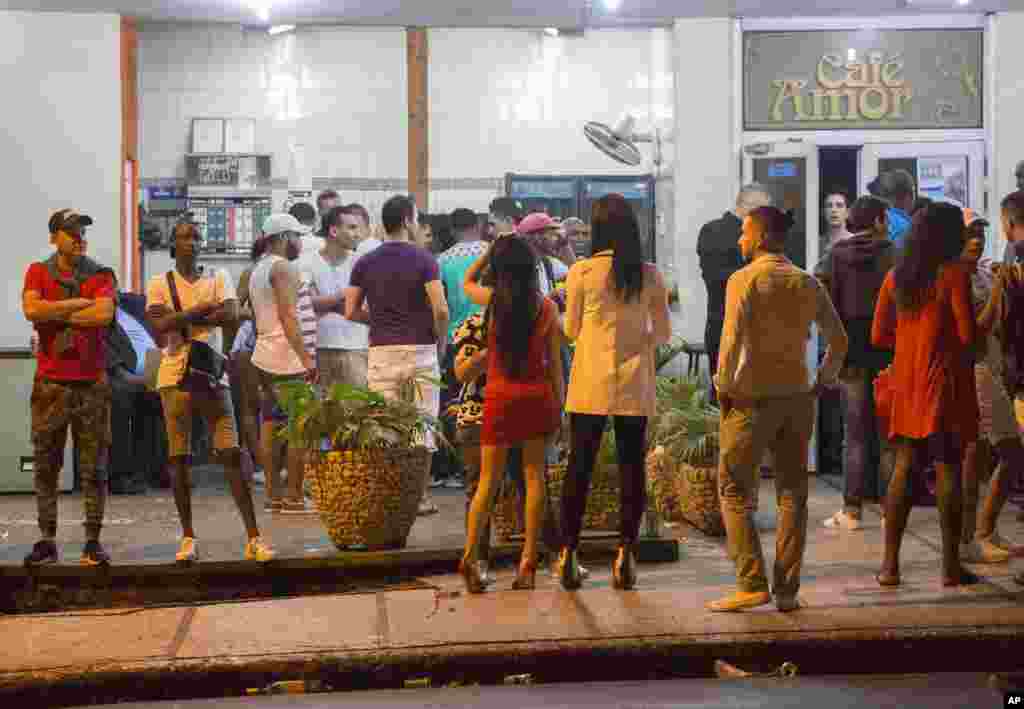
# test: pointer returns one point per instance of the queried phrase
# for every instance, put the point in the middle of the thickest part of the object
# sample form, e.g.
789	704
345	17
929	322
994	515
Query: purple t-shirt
393	277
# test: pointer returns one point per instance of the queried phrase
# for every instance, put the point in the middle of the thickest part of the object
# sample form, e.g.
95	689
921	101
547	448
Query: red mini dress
517	410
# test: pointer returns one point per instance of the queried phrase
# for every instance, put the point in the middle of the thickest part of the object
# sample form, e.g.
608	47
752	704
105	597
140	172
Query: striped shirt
307	319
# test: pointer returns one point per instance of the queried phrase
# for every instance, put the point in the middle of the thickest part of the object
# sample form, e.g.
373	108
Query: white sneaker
983	551
842	520
258	550
484	576
187	552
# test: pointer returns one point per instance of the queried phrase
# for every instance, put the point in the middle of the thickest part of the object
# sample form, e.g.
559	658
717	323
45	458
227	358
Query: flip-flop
427	509
887	581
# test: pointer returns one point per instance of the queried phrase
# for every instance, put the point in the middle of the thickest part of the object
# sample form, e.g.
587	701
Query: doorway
838	170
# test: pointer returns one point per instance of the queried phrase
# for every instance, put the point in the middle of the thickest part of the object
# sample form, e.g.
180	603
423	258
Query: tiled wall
339	93
501	100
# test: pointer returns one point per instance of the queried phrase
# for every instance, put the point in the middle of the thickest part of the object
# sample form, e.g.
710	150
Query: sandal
526	577
427	508
471	575
887	580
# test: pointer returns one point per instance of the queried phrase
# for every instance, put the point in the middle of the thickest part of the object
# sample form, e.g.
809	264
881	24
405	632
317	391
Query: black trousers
630	449
138	448
712	338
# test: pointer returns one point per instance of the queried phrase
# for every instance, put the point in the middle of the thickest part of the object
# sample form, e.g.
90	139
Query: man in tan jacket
767	403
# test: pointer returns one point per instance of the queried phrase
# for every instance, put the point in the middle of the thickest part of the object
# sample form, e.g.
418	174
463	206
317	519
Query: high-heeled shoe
471	575
624	568
526	577
569	570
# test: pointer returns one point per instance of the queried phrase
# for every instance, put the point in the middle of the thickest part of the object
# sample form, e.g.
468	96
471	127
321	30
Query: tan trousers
782	425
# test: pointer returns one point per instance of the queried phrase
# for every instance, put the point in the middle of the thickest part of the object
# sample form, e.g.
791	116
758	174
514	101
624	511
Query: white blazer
613	366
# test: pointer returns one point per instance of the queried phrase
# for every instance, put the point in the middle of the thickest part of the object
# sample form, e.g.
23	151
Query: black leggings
630	439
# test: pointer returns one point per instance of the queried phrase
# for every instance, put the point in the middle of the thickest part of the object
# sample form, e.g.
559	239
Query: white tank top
273	353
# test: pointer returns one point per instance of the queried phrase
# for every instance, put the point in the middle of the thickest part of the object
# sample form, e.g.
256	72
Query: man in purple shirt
408	313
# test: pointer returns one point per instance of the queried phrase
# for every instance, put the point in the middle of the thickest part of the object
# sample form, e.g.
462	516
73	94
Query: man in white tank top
280	354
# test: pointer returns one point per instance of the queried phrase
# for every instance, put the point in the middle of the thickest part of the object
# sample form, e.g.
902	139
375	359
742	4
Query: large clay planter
662	490
369	498
699	503
602	512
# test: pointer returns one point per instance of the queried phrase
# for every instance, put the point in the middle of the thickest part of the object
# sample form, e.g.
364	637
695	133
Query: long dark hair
614	226
515	302
936	237
865	212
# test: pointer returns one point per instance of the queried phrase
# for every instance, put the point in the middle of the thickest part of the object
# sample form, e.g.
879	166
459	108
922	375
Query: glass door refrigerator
638	191
574	195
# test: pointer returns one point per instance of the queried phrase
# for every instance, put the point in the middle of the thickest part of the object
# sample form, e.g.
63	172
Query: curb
901	650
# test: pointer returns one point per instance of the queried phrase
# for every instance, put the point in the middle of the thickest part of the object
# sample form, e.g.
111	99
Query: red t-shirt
86	359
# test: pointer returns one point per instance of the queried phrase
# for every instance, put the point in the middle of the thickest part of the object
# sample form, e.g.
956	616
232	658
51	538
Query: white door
951	171
789	170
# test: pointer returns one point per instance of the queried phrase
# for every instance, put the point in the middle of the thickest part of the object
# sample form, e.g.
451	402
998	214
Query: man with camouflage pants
70	301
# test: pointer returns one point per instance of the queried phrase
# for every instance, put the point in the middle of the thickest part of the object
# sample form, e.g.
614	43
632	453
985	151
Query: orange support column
417	57
130	247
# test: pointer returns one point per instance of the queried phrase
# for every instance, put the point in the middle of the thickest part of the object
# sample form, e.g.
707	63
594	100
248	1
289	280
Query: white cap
280	223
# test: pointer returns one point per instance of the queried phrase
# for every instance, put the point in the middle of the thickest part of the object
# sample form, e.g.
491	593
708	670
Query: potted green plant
683	465
367	459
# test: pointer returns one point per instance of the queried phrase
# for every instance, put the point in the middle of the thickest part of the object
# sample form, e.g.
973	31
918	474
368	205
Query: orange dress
933	367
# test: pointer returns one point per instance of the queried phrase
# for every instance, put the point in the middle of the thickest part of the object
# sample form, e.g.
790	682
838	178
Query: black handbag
204	366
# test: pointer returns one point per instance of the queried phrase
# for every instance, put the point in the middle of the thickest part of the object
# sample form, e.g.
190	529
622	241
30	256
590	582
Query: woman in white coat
617	313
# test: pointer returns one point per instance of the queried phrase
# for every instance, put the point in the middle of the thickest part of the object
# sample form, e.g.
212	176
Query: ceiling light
551	31
261	8
280	29
961	3
612	5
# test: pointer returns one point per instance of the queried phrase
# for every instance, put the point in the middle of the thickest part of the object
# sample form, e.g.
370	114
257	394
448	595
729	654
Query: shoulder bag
204	366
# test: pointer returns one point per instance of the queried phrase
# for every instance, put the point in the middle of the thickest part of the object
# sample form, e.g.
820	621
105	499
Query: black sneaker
93	555
43	552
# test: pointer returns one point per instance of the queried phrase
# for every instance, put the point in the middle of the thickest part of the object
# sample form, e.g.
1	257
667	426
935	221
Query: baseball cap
280	223
65	218
538	221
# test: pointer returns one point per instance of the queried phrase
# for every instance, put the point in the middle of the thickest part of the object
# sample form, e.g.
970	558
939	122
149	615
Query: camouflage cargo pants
85	406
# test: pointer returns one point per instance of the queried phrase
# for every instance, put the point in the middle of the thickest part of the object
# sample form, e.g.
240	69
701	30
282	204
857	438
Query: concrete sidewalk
848	624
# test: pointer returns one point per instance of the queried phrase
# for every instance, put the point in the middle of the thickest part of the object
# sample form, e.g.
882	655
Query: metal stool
693	351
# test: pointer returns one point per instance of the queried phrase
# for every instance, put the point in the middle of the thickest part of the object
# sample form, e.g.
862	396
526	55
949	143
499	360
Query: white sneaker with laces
258	550
187	551
843	520
983	551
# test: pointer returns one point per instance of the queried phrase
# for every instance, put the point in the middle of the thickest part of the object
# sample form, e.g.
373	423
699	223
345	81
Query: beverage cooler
573	196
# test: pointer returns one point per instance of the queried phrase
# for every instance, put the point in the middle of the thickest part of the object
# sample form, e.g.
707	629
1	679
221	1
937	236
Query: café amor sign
867	79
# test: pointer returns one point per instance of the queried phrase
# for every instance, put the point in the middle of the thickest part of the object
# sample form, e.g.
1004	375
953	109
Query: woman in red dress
924	312
524	393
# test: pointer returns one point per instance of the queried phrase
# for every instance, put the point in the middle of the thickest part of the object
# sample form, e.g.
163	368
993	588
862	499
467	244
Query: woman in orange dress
925	314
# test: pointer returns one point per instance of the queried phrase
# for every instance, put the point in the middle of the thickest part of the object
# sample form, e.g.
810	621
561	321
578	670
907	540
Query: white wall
1007	115
707	160
339	92
61	140
60	147
510	100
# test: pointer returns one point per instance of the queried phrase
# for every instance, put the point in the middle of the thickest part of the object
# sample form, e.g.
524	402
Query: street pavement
438	630
839	692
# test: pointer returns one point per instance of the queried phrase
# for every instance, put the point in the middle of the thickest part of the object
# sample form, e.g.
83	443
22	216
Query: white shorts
390	366
998	418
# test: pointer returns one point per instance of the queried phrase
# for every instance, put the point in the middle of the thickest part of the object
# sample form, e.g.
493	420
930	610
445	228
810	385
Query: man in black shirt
719	252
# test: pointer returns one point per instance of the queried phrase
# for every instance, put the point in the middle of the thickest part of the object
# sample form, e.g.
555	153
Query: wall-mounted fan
619	141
